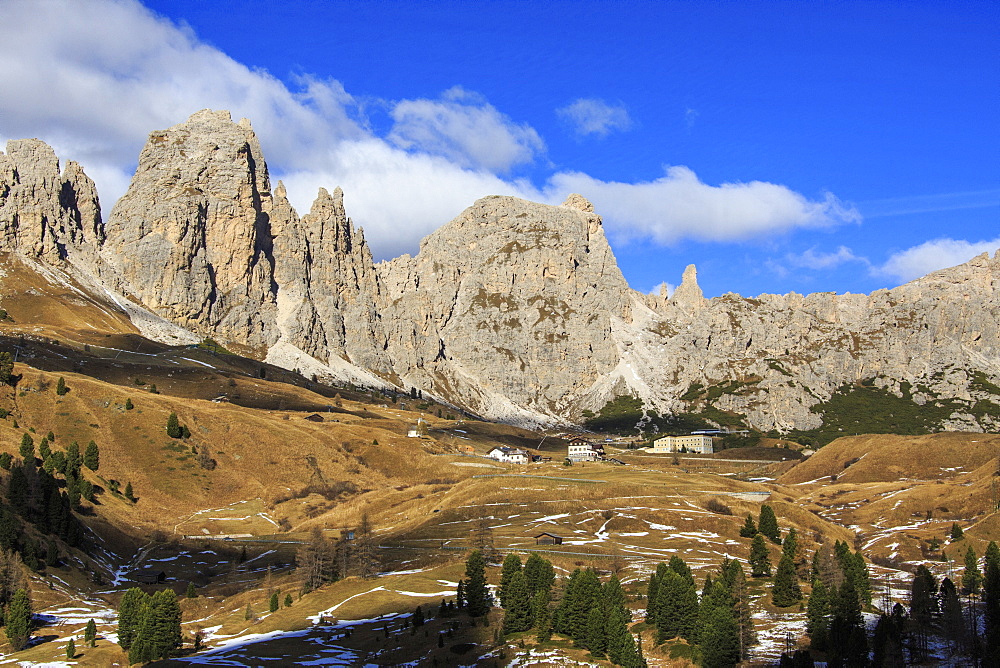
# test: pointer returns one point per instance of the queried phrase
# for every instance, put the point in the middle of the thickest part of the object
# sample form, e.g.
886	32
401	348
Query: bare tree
365	546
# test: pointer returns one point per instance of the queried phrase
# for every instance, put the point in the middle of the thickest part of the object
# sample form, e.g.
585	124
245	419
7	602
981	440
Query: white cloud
94	77
464	128
929	256
810	259
679	205
590	116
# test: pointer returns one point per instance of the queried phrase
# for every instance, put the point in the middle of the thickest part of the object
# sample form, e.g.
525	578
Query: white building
581	450
698	443
508	455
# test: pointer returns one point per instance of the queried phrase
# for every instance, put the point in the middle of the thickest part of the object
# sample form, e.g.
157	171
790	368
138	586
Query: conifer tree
718	633
595	636
191	592
477	595
6	367
760	562
541	616
129	494
818	616
90	634
676	607
768	524
272	604
517	607
129	611
43	448
460	594
652	591
586	596
991	604
61	388
18	620
73	460
749	529
539	573
786	591
848	640
92	458
679	566
972	578
887	643
71	645
173	426
27	449
511	565
128	404
735	581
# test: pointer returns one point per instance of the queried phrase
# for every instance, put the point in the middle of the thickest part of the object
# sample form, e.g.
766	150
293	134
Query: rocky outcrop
328	287
44	214
515	310
191	238
508	308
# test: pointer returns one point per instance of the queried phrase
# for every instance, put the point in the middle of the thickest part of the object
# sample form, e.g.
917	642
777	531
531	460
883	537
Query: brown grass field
278	476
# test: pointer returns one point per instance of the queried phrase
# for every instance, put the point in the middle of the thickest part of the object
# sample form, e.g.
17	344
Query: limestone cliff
515	310
508	308
191	238
44	214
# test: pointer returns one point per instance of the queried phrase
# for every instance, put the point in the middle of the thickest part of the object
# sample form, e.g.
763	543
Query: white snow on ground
661	527
197	362
550	518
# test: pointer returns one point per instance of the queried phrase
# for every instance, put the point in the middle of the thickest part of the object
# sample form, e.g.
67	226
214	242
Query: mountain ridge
514	310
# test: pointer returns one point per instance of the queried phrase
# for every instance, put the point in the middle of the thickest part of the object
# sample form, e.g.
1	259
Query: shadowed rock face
514	309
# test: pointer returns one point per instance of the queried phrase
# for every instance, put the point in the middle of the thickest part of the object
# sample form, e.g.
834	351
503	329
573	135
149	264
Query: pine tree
679	566
272	604
288	600
129	493
972	579
173	426
749	529
129	611
71	645
517	606
595	637
676	607
511	565
6	367
43	448
719	638
477	595
128	404
848	641
760	562
18	620
768	524
991	604
61	388
818	616
541	616
652	591
736	582
27	449
92	458
73	460
956	533
191	592
539	573
90	634
786	591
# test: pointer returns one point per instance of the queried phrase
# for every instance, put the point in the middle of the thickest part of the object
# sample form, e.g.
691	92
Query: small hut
148	576
315	418
547	538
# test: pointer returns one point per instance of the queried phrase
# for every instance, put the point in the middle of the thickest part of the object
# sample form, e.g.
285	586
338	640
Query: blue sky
797	146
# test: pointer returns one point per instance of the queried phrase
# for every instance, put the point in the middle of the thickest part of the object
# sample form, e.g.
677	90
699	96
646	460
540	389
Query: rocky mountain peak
46	214
580	202
191	238
688	294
